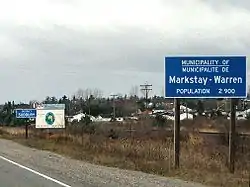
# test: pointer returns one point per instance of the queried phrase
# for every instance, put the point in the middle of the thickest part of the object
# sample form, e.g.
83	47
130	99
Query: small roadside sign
25	113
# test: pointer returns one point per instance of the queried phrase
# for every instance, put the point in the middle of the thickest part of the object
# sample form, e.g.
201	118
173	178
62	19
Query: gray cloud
58	59
241	4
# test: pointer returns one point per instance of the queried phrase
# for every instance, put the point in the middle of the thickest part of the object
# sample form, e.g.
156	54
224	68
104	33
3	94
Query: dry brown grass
14	131
202	160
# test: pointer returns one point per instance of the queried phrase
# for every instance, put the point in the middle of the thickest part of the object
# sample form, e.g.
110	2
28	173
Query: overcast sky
54	47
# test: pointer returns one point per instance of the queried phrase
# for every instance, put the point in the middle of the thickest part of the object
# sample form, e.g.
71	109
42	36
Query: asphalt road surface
22	166
13	176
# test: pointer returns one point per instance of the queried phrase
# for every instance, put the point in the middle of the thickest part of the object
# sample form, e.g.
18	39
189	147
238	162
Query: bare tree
34	103
79	93
87	93
97	93
134	91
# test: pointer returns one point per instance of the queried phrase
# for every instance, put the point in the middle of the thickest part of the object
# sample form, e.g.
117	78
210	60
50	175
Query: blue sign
25	113
206	77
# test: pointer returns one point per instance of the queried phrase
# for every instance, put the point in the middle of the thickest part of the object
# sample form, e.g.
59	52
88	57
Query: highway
15	176
22	166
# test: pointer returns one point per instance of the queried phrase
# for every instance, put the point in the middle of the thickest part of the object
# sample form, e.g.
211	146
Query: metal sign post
176	133
232	137
26	114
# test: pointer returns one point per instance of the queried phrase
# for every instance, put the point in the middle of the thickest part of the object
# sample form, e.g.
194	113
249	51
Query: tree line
93	103
86	101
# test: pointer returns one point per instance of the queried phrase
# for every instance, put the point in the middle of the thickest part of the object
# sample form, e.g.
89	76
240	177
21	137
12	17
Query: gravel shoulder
78	173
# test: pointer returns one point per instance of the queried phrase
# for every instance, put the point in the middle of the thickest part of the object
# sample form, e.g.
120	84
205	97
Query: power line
146	88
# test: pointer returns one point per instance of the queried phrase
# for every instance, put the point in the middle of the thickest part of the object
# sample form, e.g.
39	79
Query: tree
74	98
79	93
141	105
50	100
7	114
129	107
97	93
134	91
200	107
90	96
87	93
64	100
33	103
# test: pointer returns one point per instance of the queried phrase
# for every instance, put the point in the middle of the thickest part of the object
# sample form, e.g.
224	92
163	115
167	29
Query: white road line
35	172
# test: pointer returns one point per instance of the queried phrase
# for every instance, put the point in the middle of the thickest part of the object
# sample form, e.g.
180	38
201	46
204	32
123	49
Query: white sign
46	119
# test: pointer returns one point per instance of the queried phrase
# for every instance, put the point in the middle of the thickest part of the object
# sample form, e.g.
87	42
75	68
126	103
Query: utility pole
114	95
146	88
232	137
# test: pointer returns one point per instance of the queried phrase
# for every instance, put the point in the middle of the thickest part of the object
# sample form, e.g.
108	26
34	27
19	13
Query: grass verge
201	160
